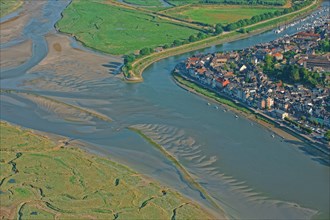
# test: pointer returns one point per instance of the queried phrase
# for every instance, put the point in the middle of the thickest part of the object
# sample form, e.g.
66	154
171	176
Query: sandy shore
69	69
16	55
12	28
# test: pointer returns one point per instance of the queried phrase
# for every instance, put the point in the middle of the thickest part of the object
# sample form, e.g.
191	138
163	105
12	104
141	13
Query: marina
314	20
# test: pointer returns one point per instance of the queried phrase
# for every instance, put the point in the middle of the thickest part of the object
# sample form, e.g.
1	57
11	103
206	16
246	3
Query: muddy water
249	173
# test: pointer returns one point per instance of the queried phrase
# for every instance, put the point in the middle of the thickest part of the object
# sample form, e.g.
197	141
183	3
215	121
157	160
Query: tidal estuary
239	164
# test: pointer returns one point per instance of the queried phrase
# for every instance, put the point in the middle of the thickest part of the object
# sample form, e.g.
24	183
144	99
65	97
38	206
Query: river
248	172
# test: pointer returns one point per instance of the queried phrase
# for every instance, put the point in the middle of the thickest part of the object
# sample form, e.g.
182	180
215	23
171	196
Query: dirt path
152	13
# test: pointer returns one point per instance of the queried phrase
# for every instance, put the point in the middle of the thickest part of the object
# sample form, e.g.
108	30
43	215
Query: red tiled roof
223	82
201	70
193	59
277	55
306	34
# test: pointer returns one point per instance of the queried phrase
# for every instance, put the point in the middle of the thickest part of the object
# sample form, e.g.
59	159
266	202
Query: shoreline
13	9
282	131
227	37
184	172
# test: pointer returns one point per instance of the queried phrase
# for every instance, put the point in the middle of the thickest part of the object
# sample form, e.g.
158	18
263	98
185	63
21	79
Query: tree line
246	2
264	16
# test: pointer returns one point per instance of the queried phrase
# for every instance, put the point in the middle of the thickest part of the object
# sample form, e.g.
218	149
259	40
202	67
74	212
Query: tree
192	38
327	135
201	35
129	58
218	29
268	62
242	30
231	27
232	65
145	51
166	46
324	45
295	75
177	43
304	74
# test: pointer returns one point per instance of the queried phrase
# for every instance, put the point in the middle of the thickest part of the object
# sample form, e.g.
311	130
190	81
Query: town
287	80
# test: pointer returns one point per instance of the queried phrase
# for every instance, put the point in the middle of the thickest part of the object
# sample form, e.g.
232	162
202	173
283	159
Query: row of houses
239	74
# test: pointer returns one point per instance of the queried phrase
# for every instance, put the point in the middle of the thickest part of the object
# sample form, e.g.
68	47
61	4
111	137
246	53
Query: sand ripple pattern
54	110
222	187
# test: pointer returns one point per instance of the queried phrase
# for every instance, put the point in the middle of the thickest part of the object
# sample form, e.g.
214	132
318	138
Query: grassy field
144	2
41	179
246	2
217	14
8	6
119	30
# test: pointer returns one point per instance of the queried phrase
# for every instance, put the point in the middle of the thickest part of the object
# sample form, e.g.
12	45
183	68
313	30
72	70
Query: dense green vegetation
41	179
144	2
323	46
292	74
327	135
7	6
238	2
223	15
118	30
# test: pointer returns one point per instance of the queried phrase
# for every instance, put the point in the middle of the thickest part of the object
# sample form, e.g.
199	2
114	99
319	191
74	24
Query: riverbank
36	168
139	65
232	106
281	130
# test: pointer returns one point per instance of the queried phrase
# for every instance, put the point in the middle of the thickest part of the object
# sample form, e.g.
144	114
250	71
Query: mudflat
68	69
16	55
12	28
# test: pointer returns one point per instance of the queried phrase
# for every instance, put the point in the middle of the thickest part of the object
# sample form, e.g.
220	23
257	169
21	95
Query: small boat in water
216	107
208	103
236	116
273	135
